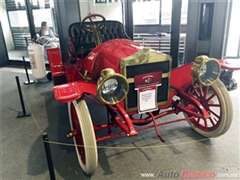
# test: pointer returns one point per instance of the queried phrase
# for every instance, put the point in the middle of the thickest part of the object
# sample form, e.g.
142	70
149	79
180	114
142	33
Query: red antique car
134	83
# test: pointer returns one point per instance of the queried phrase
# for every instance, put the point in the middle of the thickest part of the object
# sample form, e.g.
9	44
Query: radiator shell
142	62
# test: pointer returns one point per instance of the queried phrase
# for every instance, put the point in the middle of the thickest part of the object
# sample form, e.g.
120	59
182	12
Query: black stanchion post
24	112
48	155
28	80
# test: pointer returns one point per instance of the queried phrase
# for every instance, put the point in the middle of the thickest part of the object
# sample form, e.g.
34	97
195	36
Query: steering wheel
93	27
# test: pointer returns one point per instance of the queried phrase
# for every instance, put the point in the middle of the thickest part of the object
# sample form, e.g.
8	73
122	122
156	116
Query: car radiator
144	62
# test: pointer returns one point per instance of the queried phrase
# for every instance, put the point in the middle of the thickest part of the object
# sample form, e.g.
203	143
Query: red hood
108	55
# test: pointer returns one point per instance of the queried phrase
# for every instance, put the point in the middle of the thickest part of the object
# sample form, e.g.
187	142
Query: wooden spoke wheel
216	100
83	136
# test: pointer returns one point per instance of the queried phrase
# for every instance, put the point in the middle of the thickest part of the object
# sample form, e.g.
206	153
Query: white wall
111	11
5	26
234	31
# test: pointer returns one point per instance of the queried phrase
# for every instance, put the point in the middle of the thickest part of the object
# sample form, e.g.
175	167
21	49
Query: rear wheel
216	100
83	136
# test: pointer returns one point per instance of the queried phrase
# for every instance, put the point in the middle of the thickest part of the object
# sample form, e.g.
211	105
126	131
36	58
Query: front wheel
84	136
216	100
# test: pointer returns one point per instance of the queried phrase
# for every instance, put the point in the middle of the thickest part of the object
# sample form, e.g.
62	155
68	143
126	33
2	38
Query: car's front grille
150	62
132	71
161	96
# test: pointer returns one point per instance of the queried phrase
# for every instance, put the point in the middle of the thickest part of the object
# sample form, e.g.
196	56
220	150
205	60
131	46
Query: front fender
229	65
74	90
181	77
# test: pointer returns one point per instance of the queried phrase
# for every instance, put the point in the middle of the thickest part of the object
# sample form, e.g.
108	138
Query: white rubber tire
88	136
227	112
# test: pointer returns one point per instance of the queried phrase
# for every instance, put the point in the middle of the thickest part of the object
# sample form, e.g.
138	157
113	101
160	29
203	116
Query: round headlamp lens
112	87
109	86
209	72
203	70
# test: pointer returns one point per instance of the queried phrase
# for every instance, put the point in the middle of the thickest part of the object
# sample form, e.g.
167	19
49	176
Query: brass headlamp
112	87
205	70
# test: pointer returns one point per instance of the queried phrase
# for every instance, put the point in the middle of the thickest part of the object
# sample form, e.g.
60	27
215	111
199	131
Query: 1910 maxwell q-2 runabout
130	79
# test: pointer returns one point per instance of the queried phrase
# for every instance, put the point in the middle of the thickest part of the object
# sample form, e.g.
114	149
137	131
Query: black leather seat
82	38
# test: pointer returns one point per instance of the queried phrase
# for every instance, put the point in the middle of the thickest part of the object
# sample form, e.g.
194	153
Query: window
18	18
101	1
106	1
184	12
42	15
166	12
146	12
21	28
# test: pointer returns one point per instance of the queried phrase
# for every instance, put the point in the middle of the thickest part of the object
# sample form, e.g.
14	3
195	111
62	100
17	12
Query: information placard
146	86
147	99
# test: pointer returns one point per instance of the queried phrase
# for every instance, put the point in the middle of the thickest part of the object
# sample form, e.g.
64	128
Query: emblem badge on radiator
148	80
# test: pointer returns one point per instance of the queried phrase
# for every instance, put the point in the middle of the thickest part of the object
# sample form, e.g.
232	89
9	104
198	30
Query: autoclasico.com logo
187	174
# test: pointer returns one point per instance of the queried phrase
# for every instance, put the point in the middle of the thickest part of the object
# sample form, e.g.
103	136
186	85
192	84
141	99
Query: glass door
45	27
44	14
17	21
24	21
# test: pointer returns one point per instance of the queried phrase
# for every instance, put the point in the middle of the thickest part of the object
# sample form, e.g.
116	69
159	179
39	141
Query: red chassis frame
76	87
